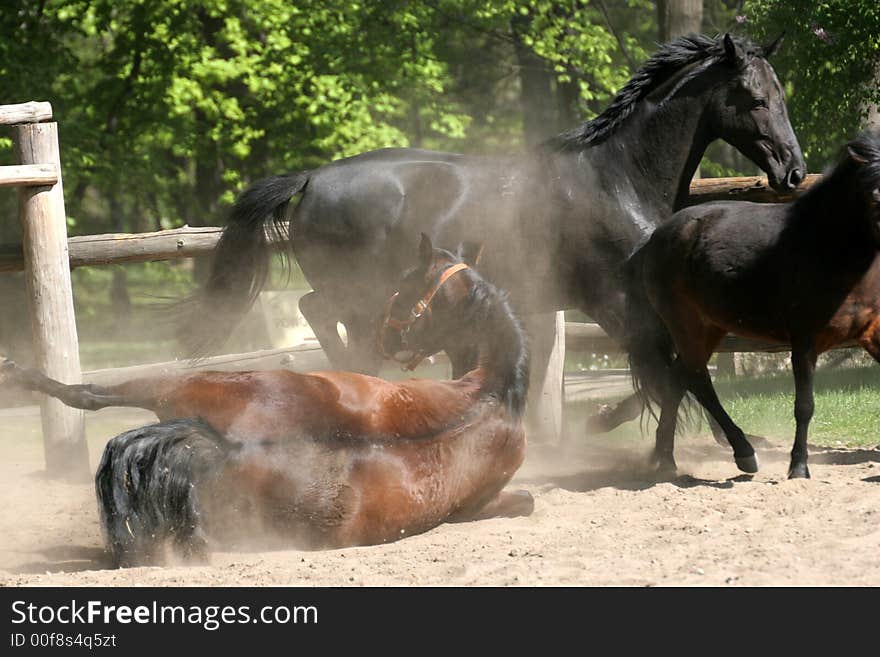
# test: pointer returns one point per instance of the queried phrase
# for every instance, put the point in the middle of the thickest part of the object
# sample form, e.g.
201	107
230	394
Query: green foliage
167	108
830	65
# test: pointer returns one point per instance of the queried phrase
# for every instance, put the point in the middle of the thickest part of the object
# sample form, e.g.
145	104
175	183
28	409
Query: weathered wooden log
31	112
119	248
28	175
748	188
47	281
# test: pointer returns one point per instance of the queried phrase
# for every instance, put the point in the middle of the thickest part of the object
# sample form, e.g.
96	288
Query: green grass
847	406
847	410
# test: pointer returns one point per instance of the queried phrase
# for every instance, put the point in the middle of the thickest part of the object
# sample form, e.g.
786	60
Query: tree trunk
678	17
539	116
873	120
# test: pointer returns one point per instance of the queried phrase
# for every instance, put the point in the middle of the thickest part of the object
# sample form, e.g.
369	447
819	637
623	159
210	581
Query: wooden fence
44	260
46	256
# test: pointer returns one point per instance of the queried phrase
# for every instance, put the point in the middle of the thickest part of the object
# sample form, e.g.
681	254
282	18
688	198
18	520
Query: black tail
241	263
148	484
647	340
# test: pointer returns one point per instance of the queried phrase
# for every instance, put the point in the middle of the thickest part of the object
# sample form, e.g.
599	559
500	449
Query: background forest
168	108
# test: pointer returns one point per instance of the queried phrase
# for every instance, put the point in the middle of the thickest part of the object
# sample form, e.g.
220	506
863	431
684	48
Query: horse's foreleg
507	504
803	365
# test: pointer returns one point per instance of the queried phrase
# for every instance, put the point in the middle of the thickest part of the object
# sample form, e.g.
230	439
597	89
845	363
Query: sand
601	518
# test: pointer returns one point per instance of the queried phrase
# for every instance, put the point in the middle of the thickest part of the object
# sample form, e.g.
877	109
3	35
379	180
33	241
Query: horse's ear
732	50
470	253
855	156
773	48
426	251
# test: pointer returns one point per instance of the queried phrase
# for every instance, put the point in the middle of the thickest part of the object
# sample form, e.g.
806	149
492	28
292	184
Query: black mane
487	309
669	59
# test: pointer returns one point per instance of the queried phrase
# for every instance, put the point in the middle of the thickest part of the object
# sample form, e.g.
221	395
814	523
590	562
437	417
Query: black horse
558	220
805	273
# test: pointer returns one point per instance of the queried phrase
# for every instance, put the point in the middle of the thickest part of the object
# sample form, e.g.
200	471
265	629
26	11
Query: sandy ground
600	519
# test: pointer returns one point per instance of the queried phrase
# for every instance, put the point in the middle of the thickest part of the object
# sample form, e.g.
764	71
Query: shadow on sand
67	559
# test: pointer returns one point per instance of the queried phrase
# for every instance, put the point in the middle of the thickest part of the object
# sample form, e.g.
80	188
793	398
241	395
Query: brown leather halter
422	308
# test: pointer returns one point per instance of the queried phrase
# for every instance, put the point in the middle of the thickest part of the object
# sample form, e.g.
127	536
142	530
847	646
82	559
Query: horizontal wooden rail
748	188
119	248
28	175
32	112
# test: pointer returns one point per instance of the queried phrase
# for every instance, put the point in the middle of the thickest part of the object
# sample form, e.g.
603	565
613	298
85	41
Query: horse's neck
665	144
657	150
503	359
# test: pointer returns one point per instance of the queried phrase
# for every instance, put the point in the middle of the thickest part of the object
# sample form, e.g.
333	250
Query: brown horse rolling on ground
805	273
322	460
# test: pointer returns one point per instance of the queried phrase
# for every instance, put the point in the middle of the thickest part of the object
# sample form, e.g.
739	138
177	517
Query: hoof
7	368
747	463
598	423
799	471
664	466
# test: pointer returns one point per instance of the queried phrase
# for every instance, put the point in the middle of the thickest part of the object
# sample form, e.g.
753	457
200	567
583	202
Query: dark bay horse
805	273
322	460
570	211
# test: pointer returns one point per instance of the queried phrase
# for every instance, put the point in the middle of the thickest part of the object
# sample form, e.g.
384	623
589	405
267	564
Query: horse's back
354	228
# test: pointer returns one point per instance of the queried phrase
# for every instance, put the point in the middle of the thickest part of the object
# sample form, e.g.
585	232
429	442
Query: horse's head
863	154
420	318
749	113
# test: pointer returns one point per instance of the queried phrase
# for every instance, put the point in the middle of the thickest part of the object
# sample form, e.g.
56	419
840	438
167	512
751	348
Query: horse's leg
323	319
695	341
362	353
610	417
700	384
664	445
803	365
88	397
507	504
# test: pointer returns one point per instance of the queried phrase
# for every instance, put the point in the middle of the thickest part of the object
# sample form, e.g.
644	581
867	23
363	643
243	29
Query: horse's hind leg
664	445
611	417
323	319
700	385
362	353
85	396
803	365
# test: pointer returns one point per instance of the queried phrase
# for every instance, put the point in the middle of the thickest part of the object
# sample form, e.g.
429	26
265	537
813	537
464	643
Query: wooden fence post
47	279
546	394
